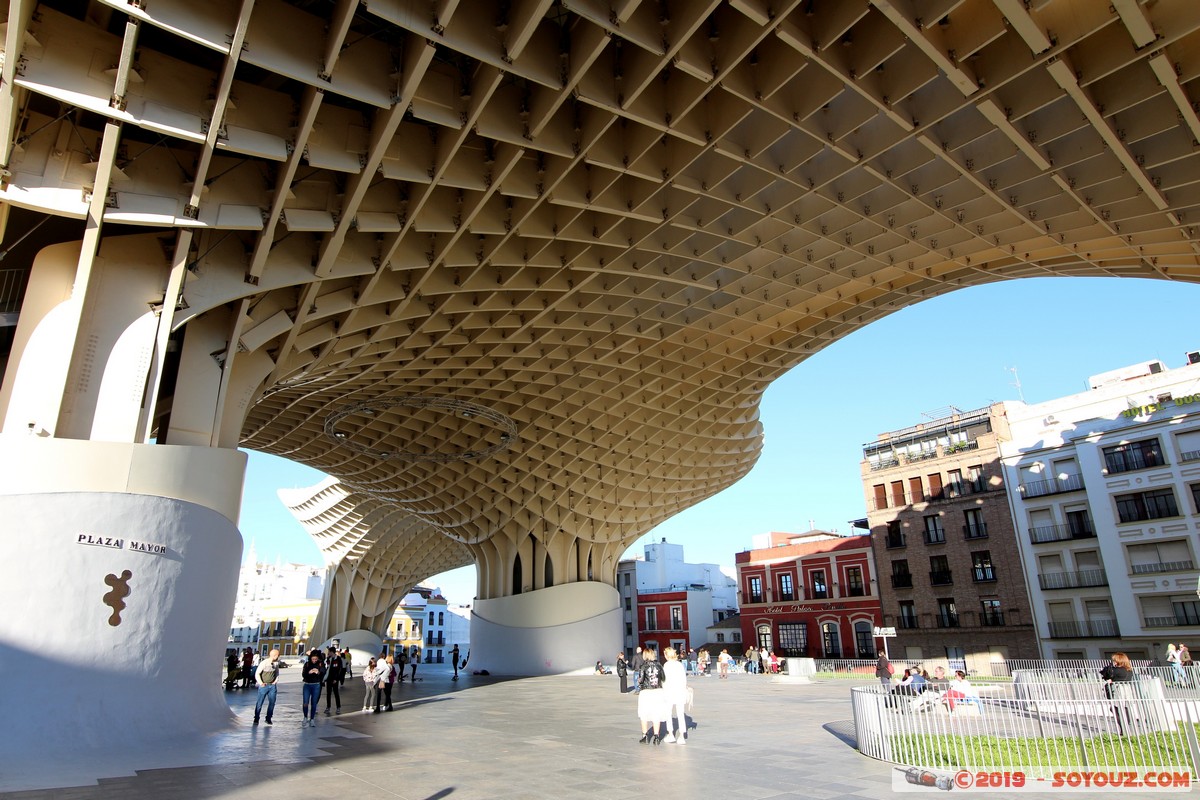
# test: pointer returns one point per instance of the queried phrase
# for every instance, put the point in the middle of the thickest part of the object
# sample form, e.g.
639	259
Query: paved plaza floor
487	738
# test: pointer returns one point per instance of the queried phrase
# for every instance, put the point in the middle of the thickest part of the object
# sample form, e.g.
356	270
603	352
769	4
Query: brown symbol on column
116	598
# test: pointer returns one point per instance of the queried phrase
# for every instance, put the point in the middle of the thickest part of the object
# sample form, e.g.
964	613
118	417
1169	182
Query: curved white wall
561	629
156	674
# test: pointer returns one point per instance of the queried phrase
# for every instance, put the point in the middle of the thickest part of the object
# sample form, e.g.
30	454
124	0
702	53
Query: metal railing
1072	580
978	531
1033	725
902	580
1067	483
1162	566
1060	533
1083	628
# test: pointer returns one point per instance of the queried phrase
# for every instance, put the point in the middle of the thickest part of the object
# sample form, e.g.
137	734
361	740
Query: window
830	641
954	483
939	571
629	604
901	577
1187	612
1079	524
1159	557
991	614
947	613
864	641
721	637
880	492
756	593
629	629
973	525
1134	455
793	639
854	582
651	619
786	591
897	493
430	617
676	618
1140	506
934	533
763	632
441	618
819	588
981	566
908	614
895	534
1188	443
626	578
975	476
915	490
957	658
1195	487
935	486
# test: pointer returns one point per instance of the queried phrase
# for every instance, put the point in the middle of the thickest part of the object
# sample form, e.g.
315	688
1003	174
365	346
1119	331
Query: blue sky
951	350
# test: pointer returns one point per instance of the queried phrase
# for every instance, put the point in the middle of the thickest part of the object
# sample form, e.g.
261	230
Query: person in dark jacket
652	700
1118	679
623	672
313	675
635	664
335	673
883	670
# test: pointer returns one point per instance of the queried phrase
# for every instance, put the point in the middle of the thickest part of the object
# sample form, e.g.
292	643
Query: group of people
329	669
1179	659
662	695
762	662
917	689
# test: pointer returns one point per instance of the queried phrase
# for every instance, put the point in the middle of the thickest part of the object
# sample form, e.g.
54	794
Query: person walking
389	670
1173	662
247	667
349	673
265	676
1118	679
370	678
675	693
623	672
454	659
635	664
414	658
652	704
1185	661
313	675
335	669
723	663
752	660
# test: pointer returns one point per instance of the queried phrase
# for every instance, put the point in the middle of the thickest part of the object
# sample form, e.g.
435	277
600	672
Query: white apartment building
260	583
1107	511
703	593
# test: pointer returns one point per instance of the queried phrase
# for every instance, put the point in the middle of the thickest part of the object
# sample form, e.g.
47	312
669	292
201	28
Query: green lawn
985	752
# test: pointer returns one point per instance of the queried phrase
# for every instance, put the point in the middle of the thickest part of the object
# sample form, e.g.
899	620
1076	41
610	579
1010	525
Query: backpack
268	676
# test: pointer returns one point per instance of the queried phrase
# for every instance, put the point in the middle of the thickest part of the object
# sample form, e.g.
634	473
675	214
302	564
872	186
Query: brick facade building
810	594
943	537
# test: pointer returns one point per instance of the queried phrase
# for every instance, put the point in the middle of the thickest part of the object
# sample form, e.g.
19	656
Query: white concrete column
128	556
562	629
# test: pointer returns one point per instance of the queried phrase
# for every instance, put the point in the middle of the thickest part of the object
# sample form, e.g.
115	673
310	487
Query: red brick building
812	594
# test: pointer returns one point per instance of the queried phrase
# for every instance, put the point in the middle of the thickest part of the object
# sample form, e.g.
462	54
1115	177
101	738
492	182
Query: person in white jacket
370	677
676	696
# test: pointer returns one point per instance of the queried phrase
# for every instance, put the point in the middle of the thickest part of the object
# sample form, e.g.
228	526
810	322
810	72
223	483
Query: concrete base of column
563	629
117	602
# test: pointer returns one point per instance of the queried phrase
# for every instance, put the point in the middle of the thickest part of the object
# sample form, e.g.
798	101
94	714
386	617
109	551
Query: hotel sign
1150	408
797	608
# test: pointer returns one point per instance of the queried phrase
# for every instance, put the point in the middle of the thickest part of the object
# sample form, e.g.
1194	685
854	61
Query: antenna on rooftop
1016	383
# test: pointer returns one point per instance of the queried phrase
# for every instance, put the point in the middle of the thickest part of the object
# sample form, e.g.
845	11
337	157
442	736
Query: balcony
1162	566
902	581
1190	455
1067	483
940	577
1083	629
1061	533
896	541
976	531
935	536
907	623
992	620
947	619
756	598
1072	580
1160	622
